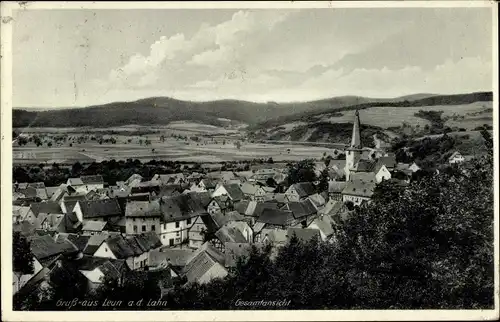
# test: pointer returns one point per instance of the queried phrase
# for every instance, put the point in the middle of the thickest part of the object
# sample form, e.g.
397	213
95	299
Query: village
195	227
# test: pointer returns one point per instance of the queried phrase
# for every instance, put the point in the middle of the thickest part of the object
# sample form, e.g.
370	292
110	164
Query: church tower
354	151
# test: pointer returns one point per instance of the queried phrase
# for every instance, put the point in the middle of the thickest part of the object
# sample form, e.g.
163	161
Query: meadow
213	148
389	116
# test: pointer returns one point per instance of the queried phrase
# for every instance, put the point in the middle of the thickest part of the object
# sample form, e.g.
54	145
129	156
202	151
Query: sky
66	58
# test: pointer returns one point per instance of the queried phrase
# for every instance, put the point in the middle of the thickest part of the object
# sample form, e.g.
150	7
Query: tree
302	171
237	144
270	160
323	181
22	259
49	144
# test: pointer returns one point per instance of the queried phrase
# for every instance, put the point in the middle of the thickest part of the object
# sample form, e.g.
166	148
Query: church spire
356	136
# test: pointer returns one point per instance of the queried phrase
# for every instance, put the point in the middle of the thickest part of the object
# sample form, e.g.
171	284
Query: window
177	233
135	228
143	227
178	240
177	224
188	221
105	249
163	236
164	226
153	228
133	219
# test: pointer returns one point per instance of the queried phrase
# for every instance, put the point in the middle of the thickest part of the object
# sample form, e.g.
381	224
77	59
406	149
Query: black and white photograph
260	159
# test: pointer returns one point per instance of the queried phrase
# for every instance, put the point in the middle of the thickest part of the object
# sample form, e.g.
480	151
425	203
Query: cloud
212	46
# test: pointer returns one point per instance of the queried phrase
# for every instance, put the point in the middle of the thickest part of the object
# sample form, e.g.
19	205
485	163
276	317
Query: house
206	264
168	179
236	252
220	204
133	249
142	217
92	182
77	185
300	191
301	210
39	210
389	161
198	231
243	227
96	240
276	237
53	222
303	234
227	234
382	173
335	189
46	250
19	213
104	210
133	180
221	176
178	215
174	259
204	185
68	202
317	200
323	224
79	241
253	191
456	157
360	188
97	269
94	227
276	218
233	191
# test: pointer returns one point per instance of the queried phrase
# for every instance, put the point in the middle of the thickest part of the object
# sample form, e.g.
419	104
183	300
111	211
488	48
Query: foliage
323	181
22	257
302	171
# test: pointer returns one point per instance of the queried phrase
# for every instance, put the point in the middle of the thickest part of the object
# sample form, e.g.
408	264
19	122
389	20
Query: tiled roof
184	206
234	191
44	247
48	207
324	224
301	208
172	256
365	166
234	251
143	209
230	234
100	208
204	259
275	216
94	179
304	189
277	236
93	225
359	188
336	186
124	248
303	234
75	182
388	161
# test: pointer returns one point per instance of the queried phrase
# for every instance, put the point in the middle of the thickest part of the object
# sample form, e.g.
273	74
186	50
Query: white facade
356	200
220	191
175	233
351	159
216	271
20	280
133	263
139	225
382	174
292	194
195	235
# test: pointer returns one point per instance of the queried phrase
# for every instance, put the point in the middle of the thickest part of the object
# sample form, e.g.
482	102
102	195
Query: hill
163	110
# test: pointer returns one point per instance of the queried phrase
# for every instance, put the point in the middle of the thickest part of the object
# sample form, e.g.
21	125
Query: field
386	117
206	149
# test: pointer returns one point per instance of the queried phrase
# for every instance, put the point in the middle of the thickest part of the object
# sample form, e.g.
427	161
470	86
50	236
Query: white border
351	315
